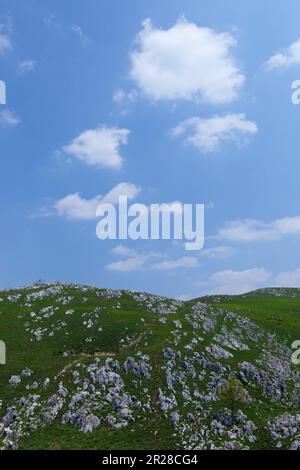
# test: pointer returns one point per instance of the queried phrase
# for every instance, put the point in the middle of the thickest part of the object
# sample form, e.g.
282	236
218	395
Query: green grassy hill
91	368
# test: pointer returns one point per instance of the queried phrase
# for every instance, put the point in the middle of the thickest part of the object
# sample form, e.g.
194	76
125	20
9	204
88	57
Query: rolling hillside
91	368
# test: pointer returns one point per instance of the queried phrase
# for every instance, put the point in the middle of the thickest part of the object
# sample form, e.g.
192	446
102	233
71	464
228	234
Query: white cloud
288	279
172	264
122	97
132	96
9	118
99	147
134	263
51	20
217	252
119	95
75	207
5	44
25	66
5	35
140	262
147	261
78	31
121	250
286	58
185	61
250	230
237	282
208	134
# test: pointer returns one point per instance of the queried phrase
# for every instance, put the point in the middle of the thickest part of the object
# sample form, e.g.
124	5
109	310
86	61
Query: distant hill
91	368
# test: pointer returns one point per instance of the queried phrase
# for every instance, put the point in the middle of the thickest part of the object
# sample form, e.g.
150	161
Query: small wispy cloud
119	96
5	36
125	97
9	118
232	282
5	44
76	29
251	230
121	250
185	262
57	25
148	261
52	21
217	252
134	263
288	279
26	66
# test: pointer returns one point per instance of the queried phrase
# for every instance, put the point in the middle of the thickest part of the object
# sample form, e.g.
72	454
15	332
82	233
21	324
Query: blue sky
193	106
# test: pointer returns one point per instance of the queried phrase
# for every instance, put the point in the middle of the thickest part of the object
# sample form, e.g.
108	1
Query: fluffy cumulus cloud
238	282
250	230
75	207
9	118
185	61
208	134
99	147
133	260
285	58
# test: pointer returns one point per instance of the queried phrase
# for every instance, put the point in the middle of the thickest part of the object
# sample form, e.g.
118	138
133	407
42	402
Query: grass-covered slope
89	368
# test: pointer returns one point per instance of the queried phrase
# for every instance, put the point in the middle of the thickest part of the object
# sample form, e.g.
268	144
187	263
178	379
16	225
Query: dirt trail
78	356
135	341
101	354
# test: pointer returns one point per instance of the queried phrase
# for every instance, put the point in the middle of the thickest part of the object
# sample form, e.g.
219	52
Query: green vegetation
58	330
